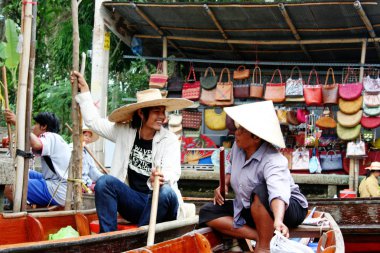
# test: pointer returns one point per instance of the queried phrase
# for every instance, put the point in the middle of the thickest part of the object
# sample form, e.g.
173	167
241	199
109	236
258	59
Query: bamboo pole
6	97
103	169
362	60
222	183
76	161
21	104
153	212
165	55
29	105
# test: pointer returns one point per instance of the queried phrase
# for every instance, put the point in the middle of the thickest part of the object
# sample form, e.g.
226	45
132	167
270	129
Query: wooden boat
205	240
29	232
358	219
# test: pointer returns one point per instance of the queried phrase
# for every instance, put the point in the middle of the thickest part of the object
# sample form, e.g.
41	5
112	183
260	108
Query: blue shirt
267	165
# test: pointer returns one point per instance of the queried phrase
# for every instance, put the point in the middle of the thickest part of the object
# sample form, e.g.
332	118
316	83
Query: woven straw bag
350	106
330	91
348	133
349	120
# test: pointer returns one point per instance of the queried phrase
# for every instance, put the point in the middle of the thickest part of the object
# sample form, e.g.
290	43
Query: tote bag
224	89
275	91
208	82
256	88
159	79
331	160
350	91
192	88
330	91
294	87
313	93
300	159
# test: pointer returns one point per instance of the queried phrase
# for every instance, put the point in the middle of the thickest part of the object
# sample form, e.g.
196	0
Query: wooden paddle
222	173
153	211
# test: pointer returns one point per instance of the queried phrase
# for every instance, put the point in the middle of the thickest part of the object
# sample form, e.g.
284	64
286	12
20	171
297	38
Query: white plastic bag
280	244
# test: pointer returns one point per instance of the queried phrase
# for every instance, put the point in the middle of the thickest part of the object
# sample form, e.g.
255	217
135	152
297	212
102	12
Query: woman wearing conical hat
266	197
369	186
141	144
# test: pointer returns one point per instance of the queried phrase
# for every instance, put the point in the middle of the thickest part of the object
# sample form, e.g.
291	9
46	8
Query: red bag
370	122
158	80
192	88
275	91
191	119
301	115
350	91
313	93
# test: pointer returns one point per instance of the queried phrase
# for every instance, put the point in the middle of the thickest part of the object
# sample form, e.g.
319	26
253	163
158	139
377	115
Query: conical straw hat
260	119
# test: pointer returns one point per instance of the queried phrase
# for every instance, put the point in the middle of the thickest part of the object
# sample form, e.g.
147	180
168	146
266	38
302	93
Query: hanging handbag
256	89
300	159
349	120
330	91
331	160
348	133
281	115
208	82
350	106
371	84
241	89
291	118
159	79
215	121
314	164
326	121
192	88
350	91
355	149
224	89
275	91
208	98
175	82
371	99
313	93
370	122
294	87
191	119
241	73
301	115
371	111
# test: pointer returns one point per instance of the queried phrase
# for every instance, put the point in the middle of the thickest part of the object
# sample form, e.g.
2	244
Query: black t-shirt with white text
140	164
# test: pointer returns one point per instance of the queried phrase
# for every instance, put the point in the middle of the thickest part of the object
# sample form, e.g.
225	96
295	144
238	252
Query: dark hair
369	172
49	120
136	120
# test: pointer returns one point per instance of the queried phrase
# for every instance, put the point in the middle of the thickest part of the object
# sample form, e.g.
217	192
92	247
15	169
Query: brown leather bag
241	73
330	91
224	89
291	118
275	91
256	89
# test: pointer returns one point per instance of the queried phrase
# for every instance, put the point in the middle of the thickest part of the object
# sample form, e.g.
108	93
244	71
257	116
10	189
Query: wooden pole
76	157
21	104
29	105
104	170
222	173
153	212
6	97
362	60
165	55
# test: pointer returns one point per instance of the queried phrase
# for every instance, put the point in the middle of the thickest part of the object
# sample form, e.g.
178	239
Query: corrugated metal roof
254	22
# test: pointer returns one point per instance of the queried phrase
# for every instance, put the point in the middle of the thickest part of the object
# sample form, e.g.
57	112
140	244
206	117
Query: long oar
91	154
222	173
153	211
5	83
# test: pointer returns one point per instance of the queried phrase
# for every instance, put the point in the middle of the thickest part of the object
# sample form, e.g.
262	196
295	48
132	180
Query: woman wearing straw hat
369	186
266	197
141	144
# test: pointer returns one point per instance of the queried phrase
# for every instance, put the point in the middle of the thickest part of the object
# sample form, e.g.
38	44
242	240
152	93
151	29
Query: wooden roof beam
265	42
218	25
155	27
116	24
295	33
367	24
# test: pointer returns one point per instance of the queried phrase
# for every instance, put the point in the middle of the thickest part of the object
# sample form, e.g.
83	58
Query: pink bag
350	91
192	88
301	115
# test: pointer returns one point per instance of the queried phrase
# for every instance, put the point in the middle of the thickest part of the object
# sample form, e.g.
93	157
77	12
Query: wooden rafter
295	33
367	23
265	42
117	25
155	27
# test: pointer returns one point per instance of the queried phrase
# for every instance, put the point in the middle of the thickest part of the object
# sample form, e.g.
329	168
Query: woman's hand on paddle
218	199
281	227
82	84
159	174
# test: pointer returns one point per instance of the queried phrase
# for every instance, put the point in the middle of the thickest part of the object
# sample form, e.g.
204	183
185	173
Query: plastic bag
67	232
280	244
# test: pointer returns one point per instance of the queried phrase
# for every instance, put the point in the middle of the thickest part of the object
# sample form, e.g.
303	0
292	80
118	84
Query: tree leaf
12	57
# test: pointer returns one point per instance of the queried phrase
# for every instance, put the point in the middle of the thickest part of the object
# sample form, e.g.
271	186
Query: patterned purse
224	89
191	119
294	87
192	88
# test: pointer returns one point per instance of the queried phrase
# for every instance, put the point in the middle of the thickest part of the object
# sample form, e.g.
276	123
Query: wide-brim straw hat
260	119
148	98
374	166
94	136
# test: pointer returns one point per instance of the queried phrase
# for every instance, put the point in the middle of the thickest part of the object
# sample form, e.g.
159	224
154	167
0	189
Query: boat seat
121	225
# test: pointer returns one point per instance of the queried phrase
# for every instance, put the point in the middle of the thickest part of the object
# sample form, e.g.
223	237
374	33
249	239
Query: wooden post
6	98
153	212
21	104
76	157
99	71
29	105
362	59
222	174
165	55
351	177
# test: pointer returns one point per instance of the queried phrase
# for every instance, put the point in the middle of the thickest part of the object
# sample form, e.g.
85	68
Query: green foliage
12	57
